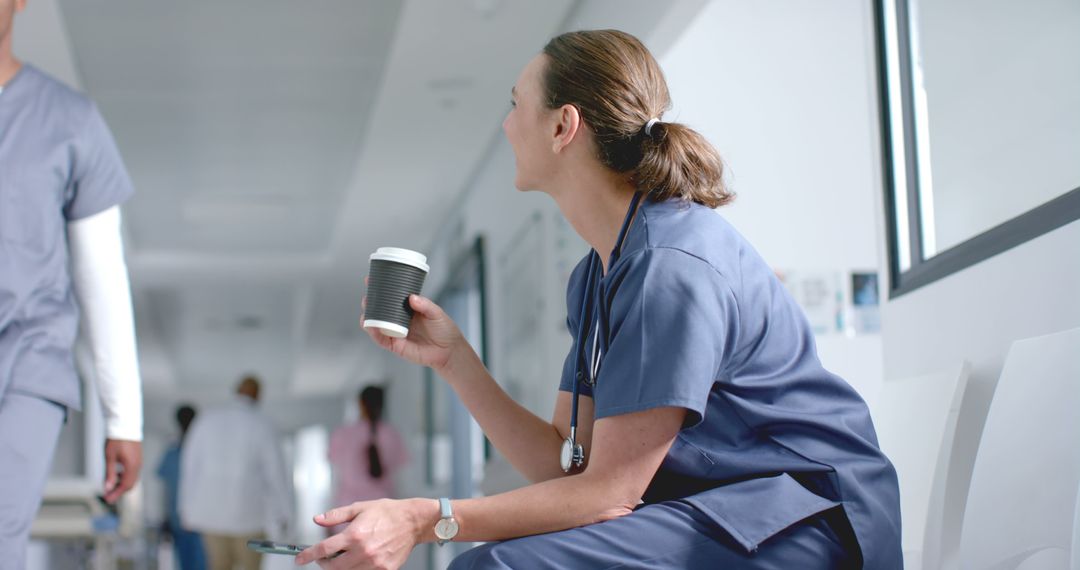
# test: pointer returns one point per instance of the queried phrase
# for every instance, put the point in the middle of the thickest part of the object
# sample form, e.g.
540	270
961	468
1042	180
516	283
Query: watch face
446	529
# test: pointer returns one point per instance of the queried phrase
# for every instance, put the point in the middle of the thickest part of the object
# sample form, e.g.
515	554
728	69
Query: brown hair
618	87
372	399
249	386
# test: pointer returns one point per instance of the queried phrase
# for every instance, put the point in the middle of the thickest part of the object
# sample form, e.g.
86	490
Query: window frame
922	271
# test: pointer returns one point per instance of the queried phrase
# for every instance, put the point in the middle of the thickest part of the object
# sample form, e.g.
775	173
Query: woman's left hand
381	534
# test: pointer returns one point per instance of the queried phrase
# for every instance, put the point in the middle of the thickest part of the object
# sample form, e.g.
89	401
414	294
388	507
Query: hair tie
649	126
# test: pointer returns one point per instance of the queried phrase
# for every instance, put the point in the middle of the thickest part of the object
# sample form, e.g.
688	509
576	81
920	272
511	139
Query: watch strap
444	508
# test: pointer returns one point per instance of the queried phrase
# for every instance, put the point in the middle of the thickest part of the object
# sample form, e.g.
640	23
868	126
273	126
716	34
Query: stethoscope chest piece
572	455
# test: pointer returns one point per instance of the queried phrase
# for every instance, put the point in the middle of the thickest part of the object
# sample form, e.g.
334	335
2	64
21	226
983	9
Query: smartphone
271	547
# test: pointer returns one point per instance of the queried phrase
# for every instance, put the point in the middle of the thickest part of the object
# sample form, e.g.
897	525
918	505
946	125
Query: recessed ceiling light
486	8
249	322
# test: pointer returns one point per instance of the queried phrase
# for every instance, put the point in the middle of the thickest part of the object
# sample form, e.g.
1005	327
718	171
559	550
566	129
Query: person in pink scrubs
366	454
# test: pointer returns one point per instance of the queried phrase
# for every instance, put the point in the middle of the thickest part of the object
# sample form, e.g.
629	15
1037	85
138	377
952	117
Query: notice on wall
865	304
820	294
835	301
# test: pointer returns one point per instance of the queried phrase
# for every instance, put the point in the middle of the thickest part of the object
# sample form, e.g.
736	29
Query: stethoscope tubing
587	301
578	375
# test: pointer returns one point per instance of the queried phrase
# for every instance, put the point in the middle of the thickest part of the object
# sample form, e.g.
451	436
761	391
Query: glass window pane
997	102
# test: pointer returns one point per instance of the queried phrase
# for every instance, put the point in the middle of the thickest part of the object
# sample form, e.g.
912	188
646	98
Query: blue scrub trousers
29	429
671	534
189	549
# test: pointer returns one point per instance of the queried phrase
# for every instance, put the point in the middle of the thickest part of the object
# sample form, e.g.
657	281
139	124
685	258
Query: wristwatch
447	527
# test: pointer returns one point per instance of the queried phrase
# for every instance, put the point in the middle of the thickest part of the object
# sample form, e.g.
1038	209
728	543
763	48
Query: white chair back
1022	504
915	419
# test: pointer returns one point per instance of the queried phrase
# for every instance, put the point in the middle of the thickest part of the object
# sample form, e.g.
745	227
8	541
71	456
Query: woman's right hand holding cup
433	337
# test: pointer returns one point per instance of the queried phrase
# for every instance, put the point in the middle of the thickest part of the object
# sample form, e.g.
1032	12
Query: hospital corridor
490	284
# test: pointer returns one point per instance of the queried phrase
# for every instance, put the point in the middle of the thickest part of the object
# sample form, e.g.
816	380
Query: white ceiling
239	121
275	144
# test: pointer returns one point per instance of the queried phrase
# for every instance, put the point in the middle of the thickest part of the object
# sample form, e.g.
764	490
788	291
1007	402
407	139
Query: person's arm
628	449
529	443
100	280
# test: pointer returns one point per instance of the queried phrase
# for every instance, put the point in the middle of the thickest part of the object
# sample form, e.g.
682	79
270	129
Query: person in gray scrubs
61	179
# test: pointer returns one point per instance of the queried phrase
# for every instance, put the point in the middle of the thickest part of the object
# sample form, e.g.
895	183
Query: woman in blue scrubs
710	433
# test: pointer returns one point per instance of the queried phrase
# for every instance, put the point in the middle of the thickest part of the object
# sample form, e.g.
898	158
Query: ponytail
677	162
375	468
372	399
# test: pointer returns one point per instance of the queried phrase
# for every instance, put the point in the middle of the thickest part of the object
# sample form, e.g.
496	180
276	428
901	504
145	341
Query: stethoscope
572	454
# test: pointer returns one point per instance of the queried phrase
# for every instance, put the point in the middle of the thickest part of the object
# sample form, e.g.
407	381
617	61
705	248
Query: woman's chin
521	185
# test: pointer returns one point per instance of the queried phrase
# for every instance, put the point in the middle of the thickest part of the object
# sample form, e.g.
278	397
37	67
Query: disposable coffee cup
393	275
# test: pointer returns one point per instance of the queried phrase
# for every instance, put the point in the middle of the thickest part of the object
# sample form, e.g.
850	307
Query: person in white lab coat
233	485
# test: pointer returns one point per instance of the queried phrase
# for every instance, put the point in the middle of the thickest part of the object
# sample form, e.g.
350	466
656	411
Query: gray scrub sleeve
99	179
671	321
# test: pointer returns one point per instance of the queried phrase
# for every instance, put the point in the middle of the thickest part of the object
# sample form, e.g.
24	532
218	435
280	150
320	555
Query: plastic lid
400	255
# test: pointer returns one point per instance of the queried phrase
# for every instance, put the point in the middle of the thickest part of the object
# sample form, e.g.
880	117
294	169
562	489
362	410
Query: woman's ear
566	127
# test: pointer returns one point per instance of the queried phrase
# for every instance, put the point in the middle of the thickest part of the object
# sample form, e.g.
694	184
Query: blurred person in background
233	483
61	269
187	544
366	454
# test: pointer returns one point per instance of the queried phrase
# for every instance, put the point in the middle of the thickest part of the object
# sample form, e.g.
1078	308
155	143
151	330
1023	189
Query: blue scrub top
697	319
